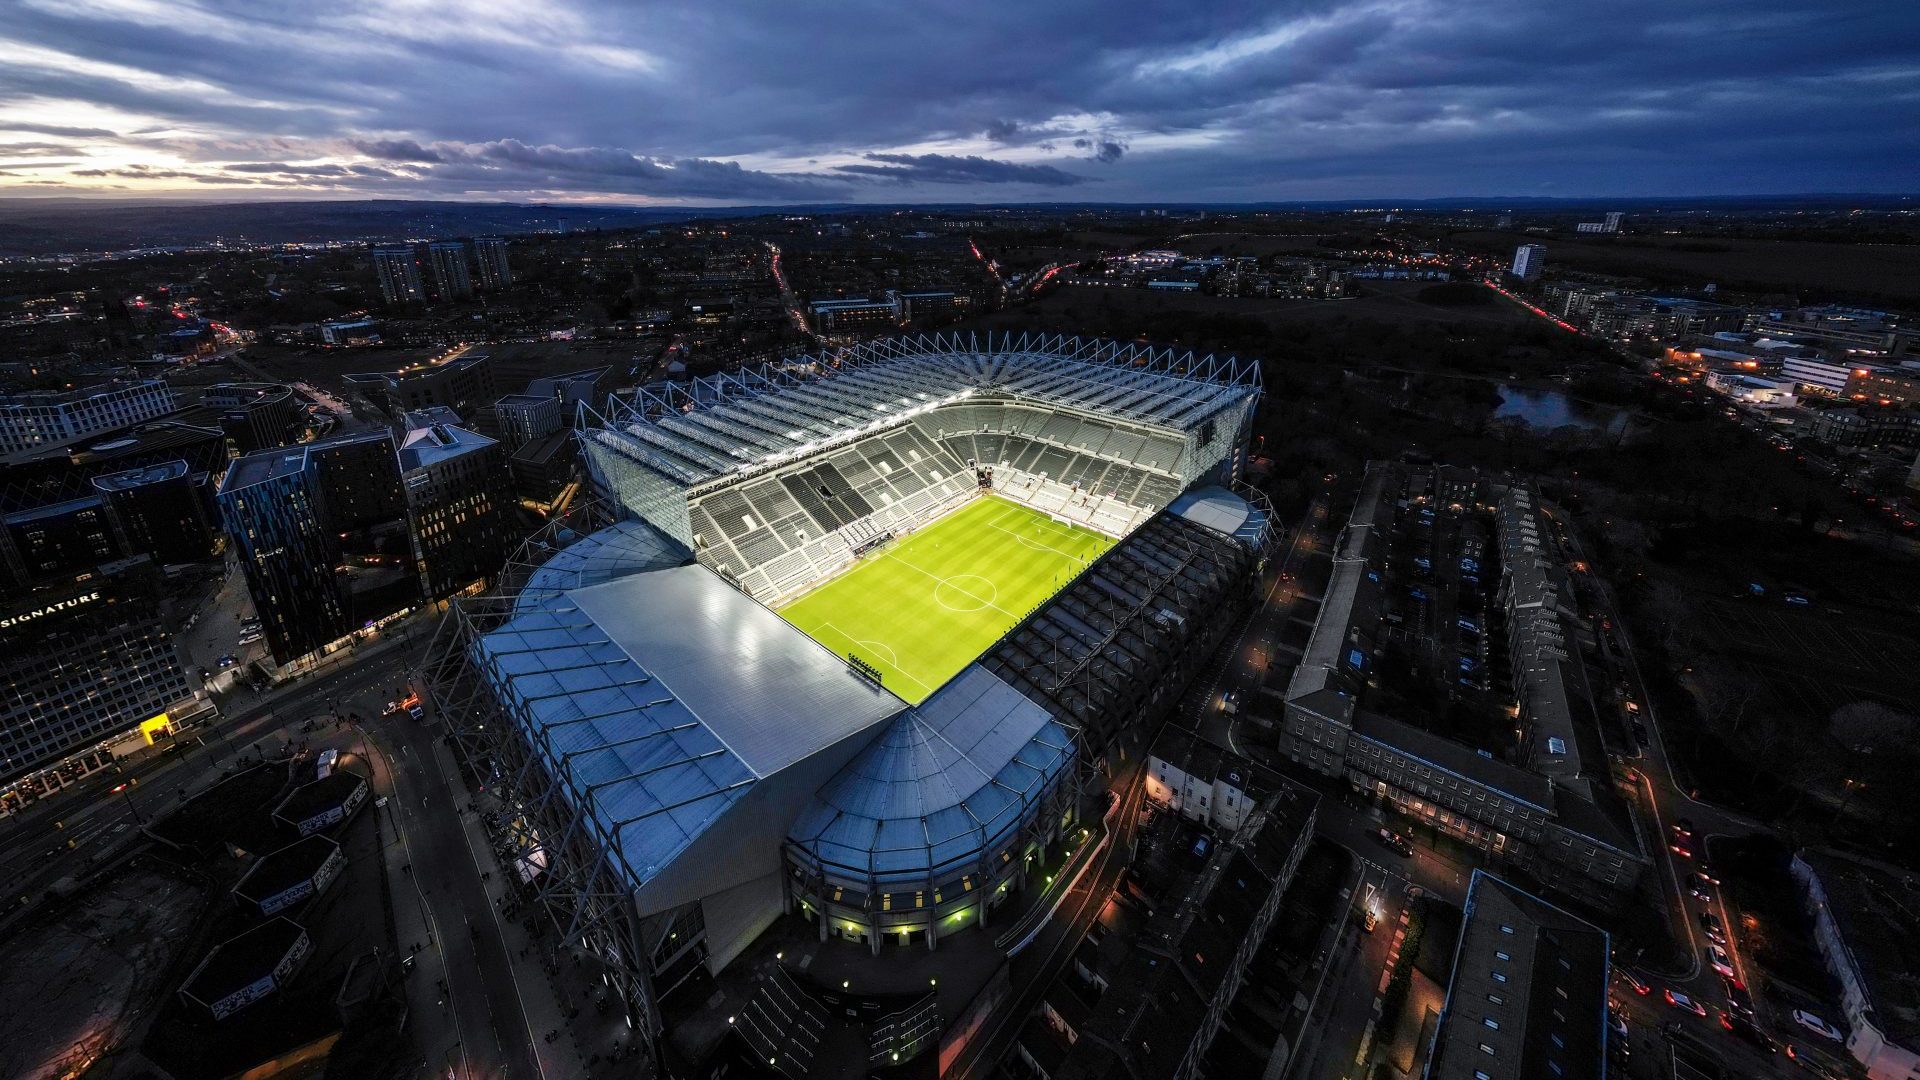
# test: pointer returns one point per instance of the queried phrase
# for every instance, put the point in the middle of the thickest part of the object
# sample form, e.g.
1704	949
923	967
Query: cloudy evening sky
720	101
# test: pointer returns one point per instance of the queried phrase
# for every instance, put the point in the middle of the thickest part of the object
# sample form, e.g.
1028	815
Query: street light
121	790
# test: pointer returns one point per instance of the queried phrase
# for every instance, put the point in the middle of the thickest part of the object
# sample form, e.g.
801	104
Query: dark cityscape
1334	542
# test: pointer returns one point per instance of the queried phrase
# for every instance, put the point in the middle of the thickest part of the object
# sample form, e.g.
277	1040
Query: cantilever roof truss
719	424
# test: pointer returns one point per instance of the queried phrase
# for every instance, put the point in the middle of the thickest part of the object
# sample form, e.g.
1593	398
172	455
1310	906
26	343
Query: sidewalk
559	991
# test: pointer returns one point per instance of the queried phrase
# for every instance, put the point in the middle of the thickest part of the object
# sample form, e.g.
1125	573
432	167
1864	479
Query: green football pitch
922	607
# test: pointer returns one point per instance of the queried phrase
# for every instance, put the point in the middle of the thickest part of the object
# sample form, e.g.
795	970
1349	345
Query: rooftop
949	780
265	465
425	447
669	696
322	795
241	961
136	478
278	871
1528	995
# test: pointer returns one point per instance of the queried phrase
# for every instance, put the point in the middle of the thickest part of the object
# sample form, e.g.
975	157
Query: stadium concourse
1012	556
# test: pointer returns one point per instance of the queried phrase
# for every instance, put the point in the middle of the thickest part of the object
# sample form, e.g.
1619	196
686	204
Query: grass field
925	606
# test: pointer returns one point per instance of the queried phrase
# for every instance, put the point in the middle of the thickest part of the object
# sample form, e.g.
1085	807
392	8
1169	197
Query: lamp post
122	790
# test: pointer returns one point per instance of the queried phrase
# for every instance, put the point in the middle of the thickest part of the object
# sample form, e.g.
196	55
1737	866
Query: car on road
1704	868
1641	735
1685	1004
1720	961
1639	985
229	660
1711	924
1745	1028
1683	828
1396	843
1818	1026
1700	887
1737	997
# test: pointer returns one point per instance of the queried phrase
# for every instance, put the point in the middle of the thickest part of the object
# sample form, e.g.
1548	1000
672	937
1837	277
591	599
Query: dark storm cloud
953	169
1165	98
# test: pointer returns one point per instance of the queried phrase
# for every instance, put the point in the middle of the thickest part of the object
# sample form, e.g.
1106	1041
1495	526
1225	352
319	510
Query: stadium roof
946	785
698	431
1222	511
629	547
661	700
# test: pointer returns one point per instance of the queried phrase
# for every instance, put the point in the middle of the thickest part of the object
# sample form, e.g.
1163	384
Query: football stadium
853	643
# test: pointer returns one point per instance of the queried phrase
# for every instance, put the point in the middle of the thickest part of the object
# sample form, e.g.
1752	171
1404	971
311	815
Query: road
1040	963
1680	827
1244	669
466	996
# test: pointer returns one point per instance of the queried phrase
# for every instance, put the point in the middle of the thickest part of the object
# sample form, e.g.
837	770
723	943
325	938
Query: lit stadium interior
853	639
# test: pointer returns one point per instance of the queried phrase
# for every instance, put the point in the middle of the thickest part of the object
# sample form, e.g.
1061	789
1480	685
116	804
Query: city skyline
598	103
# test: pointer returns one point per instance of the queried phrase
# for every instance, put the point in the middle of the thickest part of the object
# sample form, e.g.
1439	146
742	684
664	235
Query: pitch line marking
985	603
894	662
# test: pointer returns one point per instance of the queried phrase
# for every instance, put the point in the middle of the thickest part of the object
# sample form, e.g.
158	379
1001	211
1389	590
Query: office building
1898	386
1528	995
1528	261
1821	375
924	304
460	380
523	418
345	332
1608	226
1835	326
33	420
459	495
490	254
399	274
83	663
160	510
256	416
448	261
841	316
58	538
322	535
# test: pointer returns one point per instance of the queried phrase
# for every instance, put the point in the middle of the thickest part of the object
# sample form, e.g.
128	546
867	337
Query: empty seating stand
780	533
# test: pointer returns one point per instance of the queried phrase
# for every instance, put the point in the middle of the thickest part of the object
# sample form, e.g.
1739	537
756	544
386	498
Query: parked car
1684	1003
1720	961
1818	1026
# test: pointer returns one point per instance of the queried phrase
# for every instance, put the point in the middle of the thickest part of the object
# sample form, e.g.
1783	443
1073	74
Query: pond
1545	410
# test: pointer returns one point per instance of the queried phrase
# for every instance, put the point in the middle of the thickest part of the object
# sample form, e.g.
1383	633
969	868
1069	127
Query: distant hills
42	226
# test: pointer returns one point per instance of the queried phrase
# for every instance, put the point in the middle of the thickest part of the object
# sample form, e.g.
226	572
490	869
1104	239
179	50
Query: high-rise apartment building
490	254
83	661
1528	261
322	535
460	498
399	274
448	260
